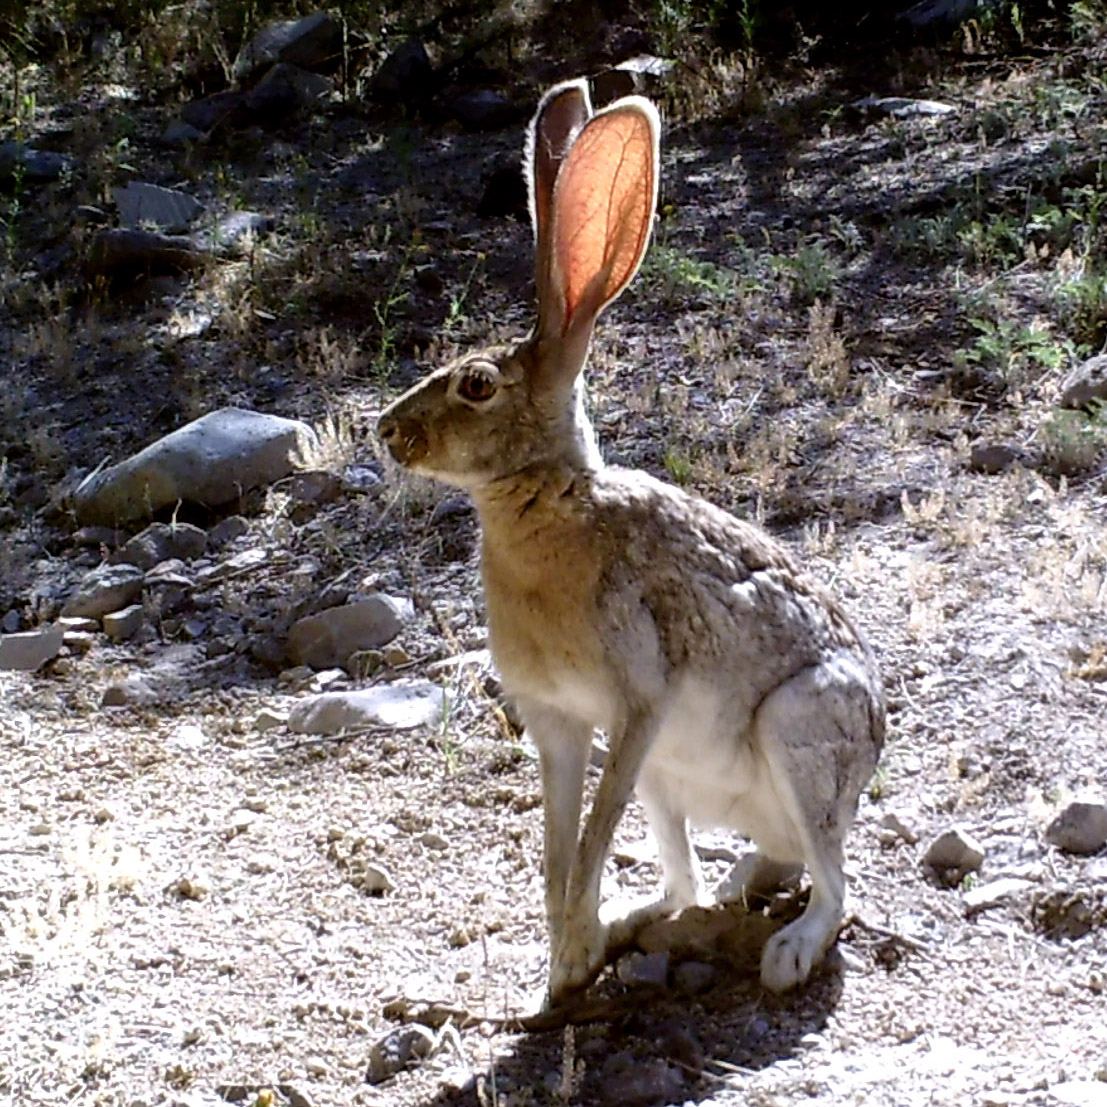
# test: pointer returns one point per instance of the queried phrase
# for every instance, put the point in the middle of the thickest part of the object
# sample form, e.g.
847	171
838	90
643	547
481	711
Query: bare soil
180	916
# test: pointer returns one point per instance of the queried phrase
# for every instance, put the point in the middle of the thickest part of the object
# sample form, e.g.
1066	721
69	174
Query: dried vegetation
838	307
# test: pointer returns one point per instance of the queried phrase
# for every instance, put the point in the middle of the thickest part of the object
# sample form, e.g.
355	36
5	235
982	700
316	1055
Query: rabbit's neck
586	449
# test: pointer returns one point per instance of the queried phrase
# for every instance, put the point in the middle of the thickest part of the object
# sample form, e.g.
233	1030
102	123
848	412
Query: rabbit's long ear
603	205
561	114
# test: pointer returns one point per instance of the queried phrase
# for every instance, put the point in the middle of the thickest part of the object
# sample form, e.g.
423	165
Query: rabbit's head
495	412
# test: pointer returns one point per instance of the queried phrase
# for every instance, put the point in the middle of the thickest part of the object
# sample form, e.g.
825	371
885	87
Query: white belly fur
714	772
706	756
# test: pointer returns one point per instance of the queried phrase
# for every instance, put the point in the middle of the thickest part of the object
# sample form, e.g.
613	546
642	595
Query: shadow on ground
650	1046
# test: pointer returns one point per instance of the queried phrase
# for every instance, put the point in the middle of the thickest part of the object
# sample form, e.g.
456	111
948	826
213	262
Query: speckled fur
733	689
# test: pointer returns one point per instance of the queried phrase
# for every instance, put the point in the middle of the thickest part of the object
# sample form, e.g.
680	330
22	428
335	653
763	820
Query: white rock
188	736
902	107
373	880
893	821
329	637
106	589
1080	828
1080	1093
77	624
210	461
994	892
401	705
121	625
30	649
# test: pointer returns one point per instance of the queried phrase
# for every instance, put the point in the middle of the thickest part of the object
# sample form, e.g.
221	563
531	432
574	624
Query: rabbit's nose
405	439
388	429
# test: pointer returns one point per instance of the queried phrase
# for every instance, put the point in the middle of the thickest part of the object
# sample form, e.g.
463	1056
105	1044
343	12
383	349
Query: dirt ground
181	915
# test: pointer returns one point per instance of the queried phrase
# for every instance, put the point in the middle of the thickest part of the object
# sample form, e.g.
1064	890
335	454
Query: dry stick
576	1012
891	935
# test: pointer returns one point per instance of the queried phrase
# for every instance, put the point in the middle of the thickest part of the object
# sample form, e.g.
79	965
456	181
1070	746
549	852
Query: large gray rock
289	85
401	705
210	461
1080	828
929	13
327	639
483	109
162	542
144	205
30	649
1086	384
405	75
313	42
19	160
106	589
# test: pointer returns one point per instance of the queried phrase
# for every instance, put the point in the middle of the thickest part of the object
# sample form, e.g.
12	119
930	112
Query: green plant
878	785
1074	442
1013	352
1082	305
455	312
24	113
995	240
672	275
677	464
385	313
811	272
749	19
1088	19
676	19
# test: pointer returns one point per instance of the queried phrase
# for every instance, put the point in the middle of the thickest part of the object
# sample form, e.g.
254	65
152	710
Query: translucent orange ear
603	205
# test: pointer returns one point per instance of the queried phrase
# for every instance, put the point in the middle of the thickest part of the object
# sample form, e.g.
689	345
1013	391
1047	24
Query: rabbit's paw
625	917
790	954
577	960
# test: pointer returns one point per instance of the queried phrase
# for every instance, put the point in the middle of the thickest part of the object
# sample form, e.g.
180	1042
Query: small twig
888	935
576	1012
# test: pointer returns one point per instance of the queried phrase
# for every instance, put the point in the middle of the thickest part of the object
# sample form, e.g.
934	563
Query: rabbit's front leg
579	954
563	745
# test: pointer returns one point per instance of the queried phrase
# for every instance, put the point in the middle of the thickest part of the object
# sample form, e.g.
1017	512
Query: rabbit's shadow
661	1045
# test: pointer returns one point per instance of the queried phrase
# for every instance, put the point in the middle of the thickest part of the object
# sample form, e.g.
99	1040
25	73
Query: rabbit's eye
476	387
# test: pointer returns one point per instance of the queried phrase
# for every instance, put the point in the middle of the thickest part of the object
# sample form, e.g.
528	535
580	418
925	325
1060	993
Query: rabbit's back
622	588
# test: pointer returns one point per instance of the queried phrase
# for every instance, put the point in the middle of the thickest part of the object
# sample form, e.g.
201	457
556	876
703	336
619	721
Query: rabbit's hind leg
813	734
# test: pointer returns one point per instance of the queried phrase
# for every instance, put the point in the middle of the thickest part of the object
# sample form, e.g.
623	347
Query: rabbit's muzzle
406	439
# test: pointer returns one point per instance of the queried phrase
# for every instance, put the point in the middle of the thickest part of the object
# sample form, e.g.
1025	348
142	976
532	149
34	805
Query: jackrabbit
733	690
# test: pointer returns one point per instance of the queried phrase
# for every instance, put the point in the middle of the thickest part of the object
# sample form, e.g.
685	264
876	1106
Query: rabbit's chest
545	650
